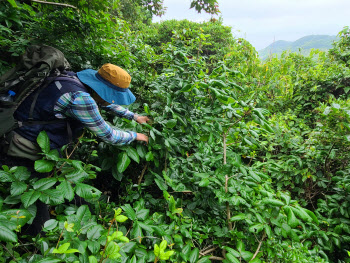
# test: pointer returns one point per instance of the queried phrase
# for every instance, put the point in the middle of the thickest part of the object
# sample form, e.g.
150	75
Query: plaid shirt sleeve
121	111
82	107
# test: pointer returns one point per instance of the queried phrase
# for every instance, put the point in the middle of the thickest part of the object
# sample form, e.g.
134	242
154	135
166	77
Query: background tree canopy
248	161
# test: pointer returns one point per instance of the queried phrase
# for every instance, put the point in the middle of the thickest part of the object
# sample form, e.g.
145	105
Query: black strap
36	95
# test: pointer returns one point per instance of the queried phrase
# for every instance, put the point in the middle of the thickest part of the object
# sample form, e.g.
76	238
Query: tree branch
53	3
257	250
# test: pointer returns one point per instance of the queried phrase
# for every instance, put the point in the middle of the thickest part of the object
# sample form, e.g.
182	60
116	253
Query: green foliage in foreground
247	162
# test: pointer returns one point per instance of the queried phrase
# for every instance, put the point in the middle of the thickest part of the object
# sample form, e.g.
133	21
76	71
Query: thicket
247	161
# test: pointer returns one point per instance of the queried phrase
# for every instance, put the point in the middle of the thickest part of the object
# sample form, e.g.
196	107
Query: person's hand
141	137
142	119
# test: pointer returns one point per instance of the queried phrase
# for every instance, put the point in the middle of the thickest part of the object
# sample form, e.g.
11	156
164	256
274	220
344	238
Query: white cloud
262	21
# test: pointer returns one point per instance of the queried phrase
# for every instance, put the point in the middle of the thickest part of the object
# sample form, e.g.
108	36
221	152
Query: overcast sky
263	21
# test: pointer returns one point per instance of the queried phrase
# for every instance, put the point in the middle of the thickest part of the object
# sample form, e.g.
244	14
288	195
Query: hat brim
107	93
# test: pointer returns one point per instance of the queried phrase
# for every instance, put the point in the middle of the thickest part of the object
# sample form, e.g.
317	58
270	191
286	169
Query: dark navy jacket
44	111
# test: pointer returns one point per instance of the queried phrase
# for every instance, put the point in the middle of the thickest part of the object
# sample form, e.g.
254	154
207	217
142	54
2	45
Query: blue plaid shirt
82	107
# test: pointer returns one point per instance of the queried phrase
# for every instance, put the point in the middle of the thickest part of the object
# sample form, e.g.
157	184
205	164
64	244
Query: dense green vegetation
303	46
247	161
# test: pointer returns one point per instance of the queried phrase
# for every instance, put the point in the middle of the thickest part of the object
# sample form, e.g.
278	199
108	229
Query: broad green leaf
18	188
161	184
6	177
204	182
129	211
68	226
51	196
94	232
146	227
112	250
86	191
149	156
256	228
29	198
205	259
132	153
13	3
21	173
44	166
62	248
83	214
232	258
123	162
273	202
121	218
7	235
66	189
136	232
301	213
44	184
19	216
312	215
142	214
94	246
238	217
194	255
291	219
44	142
50	224
171	123
141	150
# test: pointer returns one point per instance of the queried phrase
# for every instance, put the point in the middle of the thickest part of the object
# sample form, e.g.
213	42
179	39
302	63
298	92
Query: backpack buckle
42	74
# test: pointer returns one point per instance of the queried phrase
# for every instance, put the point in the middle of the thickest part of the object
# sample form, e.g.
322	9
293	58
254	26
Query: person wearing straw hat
72	101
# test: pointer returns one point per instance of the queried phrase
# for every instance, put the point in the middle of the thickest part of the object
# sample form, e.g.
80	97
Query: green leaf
44	184
50	224
19	216
161	184
6	177
142	214
87	191
44	142
7	235
145	227
137	232
13	3
83	214
273	202
232	258
132	153
94	246
121	218
21	173
204	182
94	232
123	162
312	215
18	188
129	211
194	255
238	217
141	150
112	250
149	156
44	166
171	123
301	213
66	189
51	196
256	228
29	198
291	219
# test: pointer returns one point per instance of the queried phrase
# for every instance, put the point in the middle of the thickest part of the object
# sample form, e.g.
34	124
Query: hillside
304	45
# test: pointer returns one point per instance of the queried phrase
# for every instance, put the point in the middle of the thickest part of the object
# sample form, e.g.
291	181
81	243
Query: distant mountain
304	45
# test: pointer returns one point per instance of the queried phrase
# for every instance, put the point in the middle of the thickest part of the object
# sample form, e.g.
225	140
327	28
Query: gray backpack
36	64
